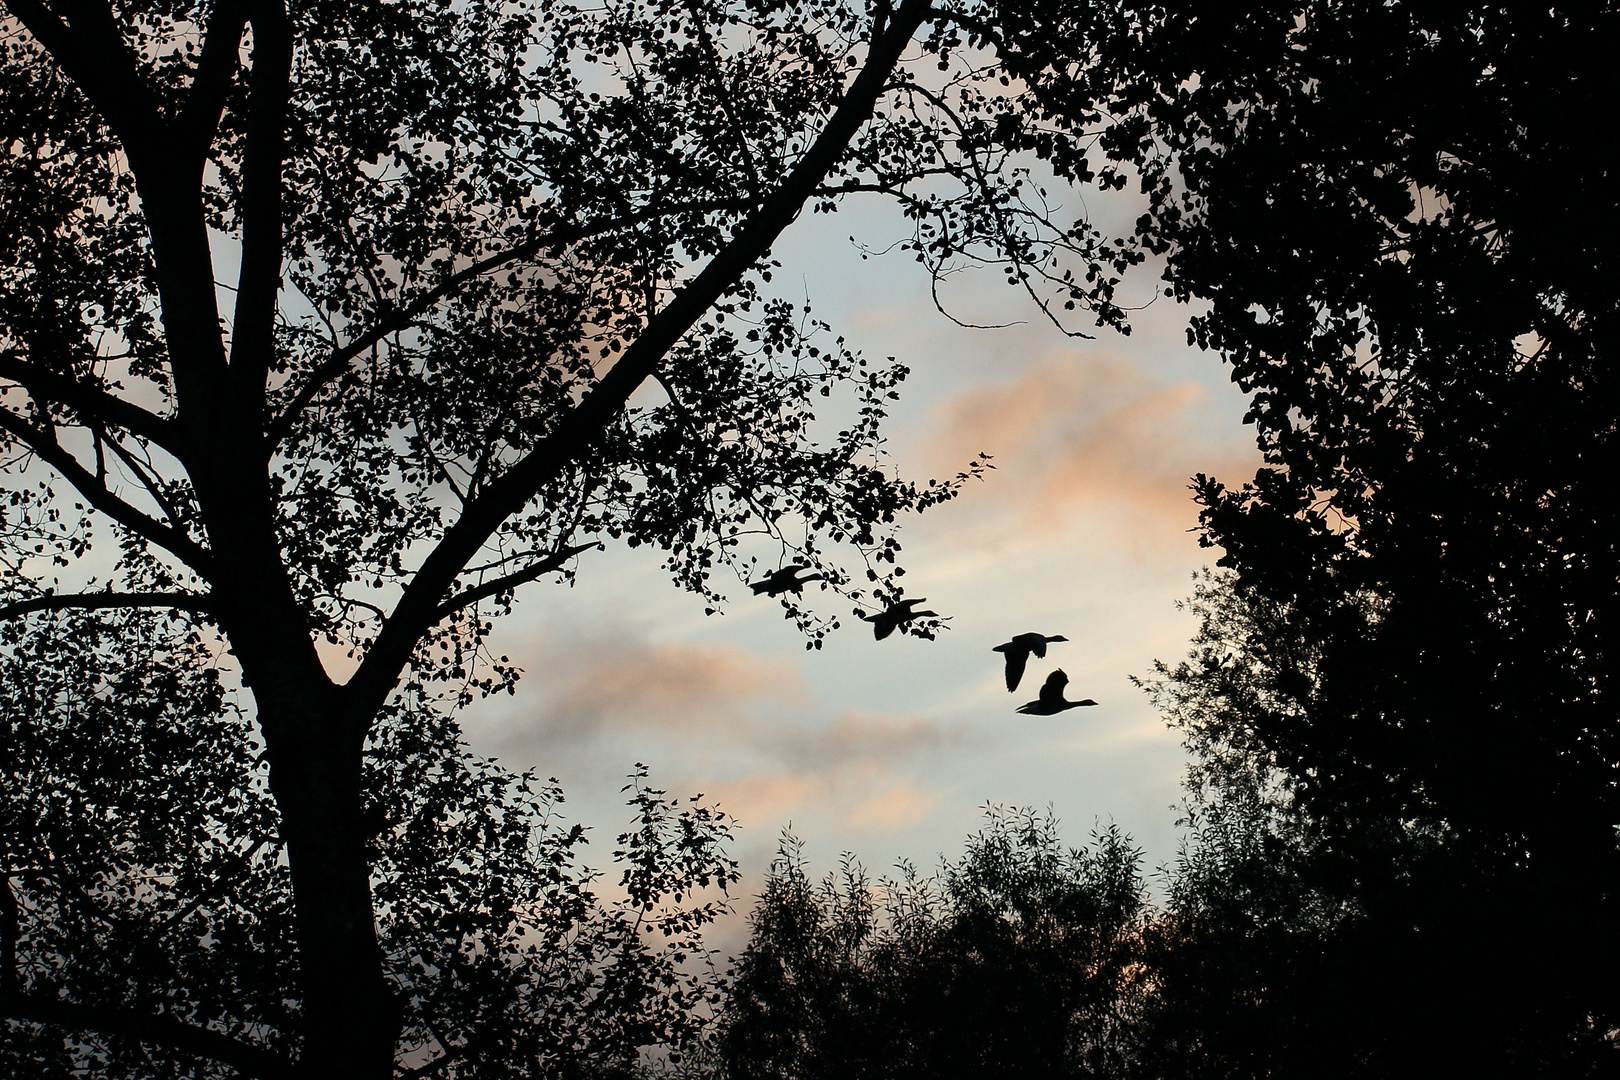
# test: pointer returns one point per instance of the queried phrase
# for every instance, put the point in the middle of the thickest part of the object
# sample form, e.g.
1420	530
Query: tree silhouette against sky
344	321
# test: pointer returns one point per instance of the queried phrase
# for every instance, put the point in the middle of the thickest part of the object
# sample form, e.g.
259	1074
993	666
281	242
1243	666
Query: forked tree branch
98	496
199	120
47	386
91	50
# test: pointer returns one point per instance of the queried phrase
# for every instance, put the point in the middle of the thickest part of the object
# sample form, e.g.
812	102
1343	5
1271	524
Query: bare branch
508	582
147	476
90	402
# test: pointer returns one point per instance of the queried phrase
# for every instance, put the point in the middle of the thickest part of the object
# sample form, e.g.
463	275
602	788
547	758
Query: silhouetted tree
1252	958
1401	232
345	320
1301	939
148	925
1019	959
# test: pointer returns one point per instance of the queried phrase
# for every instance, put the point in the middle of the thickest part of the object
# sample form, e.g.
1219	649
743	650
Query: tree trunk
350	1016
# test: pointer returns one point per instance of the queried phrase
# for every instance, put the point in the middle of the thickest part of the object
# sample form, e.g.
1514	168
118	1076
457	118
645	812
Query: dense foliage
1399	228
331	325
145	867
1018	959
500	291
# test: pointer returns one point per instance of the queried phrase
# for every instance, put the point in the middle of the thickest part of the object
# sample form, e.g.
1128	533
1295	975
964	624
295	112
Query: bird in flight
784	580
1051	700
1019	650
895	616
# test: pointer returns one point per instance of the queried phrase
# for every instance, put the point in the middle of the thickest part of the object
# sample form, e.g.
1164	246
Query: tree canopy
1020	958
144	869
1397	227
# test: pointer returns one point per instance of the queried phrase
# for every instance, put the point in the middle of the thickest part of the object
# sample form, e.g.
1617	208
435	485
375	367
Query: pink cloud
765	798
663	686
1076	433
858	737
896	808
849	768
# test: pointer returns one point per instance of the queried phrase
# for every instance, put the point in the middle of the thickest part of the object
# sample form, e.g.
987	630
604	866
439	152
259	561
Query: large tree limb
98	496
91	50
393	321
91	403
199	120
259	279
93	53
102	601
159	1030
418	607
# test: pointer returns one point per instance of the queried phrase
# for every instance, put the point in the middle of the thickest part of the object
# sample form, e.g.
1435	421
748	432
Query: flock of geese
1017	651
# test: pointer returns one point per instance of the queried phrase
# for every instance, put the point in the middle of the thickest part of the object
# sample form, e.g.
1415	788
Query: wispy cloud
856	737
863	767
736	724
597	687
859	795
897	808
1079	432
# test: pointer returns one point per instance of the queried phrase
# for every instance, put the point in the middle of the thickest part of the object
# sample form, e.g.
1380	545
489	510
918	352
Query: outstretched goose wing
1017	659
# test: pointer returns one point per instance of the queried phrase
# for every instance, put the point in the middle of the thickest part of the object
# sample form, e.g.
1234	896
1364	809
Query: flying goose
1019	650
784	580
1051	700
894	616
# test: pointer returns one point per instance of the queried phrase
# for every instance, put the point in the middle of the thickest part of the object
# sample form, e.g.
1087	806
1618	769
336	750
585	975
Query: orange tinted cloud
896	808
850	767
858	737
863	795
668	685
764	798
1080	431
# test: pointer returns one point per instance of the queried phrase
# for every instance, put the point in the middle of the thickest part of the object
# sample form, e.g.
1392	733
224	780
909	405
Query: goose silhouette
895	616
784	580
1019	650
1051	700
